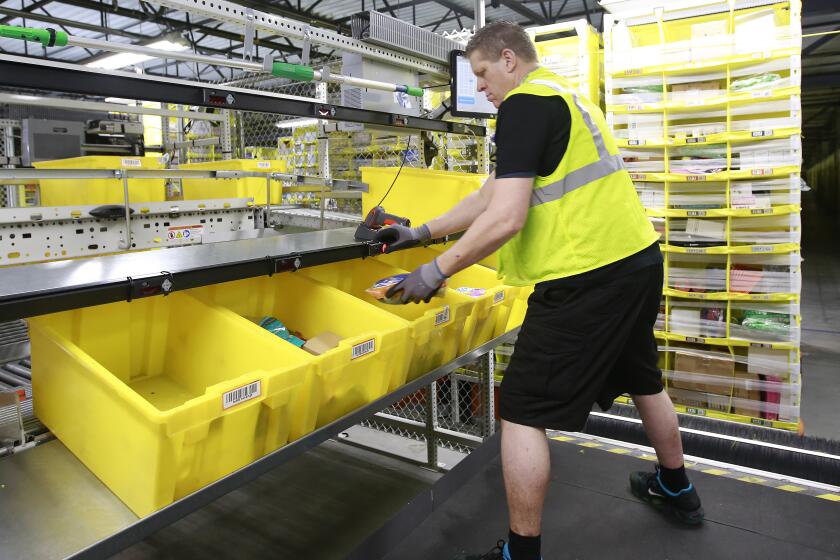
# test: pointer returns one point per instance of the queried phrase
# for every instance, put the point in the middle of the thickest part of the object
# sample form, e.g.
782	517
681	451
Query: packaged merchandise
380	289
274	326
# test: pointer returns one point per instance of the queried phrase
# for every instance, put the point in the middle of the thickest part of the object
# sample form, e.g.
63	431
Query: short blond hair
494	37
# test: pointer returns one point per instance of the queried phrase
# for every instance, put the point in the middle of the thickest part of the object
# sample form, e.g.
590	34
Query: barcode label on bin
263	165
246	393
498	298
126	162
442	317
363	349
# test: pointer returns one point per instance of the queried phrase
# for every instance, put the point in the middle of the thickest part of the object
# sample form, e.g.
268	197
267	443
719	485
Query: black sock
523	548
673	480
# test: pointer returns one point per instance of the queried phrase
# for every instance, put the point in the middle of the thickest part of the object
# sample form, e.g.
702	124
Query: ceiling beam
525	11
70	23
28	8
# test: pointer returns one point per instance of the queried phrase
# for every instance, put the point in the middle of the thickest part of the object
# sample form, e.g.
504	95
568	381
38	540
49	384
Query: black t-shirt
532	135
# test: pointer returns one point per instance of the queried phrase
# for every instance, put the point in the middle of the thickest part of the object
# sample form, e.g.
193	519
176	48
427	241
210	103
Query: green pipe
415	91
47	37
293	71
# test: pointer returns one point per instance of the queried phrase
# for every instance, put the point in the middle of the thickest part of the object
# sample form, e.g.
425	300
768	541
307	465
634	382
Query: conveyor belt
590	514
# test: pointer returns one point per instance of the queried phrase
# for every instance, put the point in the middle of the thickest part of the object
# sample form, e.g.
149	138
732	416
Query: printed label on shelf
757	94
695	177
761	422
638	176
632	71
696	102
130	162
695	339
761	248
636	107
761	211
363	349
696	213
761	345
498	297
762	171
697	411
240	395
697	140
761	133
184	234
635	142
442	317
696	250
263	165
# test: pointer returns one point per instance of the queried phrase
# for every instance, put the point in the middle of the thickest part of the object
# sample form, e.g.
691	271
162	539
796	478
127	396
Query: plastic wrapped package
652	195
696	273
765	194
764	322
650	161
698	159
766	230
765	274
697	232
691	318
697	196
772	153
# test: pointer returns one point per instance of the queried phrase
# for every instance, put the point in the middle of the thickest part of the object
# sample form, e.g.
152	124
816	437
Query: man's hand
420	285
395	237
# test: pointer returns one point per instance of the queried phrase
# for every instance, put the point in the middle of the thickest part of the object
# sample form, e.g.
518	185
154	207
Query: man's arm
503	217
465	212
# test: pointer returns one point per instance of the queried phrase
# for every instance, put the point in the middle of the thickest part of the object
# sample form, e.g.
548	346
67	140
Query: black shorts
582	345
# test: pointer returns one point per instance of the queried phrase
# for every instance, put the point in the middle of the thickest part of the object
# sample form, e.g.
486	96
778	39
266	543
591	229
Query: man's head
501	55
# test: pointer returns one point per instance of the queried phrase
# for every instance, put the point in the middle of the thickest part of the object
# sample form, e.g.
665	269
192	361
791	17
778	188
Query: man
565	216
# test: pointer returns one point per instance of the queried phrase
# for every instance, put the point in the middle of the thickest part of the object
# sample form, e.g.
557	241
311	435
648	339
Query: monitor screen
466	100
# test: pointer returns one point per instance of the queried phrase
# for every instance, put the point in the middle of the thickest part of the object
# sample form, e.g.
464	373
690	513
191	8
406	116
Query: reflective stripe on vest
607	165
576	179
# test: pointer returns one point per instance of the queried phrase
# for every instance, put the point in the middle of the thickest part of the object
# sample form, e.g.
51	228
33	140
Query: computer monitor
466	100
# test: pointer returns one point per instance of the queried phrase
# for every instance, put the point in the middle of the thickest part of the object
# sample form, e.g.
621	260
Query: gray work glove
420	285
396	237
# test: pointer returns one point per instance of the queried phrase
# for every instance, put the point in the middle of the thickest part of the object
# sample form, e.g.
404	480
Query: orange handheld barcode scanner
375	220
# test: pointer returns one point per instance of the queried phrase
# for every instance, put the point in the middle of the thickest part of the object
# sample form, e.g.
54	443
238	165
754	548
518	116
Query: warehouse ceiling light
121	60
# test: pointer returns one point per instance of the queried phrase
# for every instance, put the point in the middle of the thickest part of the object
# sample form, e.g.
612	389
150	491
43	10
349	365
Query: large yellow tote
163	395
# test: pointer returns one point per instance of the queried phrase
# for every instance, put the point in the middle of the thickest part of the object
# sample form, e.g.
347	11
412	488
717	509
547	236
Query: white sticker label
757	94
263	165
363	349
762	248
182	235
126	162
499	297
442	317
246	393
761	133
765	171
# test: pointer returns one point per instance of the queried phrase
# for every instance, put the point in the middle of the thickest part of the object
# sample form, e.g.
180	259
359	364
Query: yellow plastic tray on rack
733	175
161	396
491	310
693	67
720	101
436	327
734	137
372	357
726	341
696	411
733	250
245	187
89	192
731	296
779	210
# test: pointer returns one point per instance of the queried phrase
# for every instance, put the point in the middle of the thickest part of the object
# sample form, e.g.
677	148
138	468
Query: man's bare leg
662	429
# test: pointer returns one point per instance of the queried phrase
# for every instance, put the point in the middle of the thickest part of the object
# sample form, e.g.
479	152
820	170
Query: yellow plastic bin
89	192
418	194
436	326
519	306
491	309
161	396
246	187
372	358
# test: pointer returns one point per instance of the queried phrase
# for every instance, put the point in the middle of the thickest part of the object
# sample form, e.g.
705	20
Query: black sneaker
499	552
685	504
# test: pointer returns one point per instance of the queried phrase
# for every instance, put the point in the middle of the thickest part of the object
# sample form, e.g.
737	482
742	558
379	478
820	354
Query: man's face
495	78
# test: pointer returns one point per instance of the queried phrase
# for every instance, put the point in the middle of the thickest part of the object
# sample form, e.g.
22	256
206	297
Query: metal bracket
291	263
304	56
250	31
152	286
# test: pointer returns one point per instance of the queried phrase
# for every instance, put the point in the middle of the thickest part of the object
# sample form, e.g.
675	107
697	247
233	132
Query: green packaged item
751	82
655	88
766	321
277	328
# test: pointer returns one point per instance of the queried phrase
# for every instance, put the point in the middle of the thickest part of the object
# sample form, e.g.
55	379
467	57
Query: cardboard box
688	398
696	86
322	343
723	368
748	393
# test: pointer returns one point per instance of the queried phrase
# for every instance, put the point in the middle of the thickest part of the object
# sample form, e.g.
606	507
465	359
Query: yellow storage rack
572	49
704	100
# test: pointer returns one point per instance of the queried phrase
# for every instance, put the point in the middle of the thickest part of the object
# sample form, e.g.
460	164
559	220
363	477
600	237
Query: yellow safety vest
586	213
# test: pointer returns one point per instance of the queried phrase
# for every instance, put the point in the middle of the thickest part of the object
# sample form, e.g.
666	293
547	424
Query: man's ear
510	59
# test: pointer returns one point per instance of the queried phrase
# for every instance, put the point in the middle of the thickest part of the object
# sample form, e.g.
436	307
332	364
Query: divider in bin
372	358
492	298
161	396
245	187
436	326
88	192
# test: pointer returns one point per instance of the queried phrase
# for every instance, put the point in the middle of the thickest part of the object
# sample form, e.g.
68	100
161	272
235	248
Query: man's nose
482	85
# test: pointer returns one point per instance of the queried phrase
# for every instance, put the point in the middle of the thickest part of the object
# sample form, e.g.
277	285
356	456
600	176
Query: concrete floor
820	324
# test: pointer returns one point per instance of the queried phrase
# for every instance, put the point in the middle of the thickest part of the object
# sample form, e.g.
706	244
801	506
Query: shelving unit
572	49
705	105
